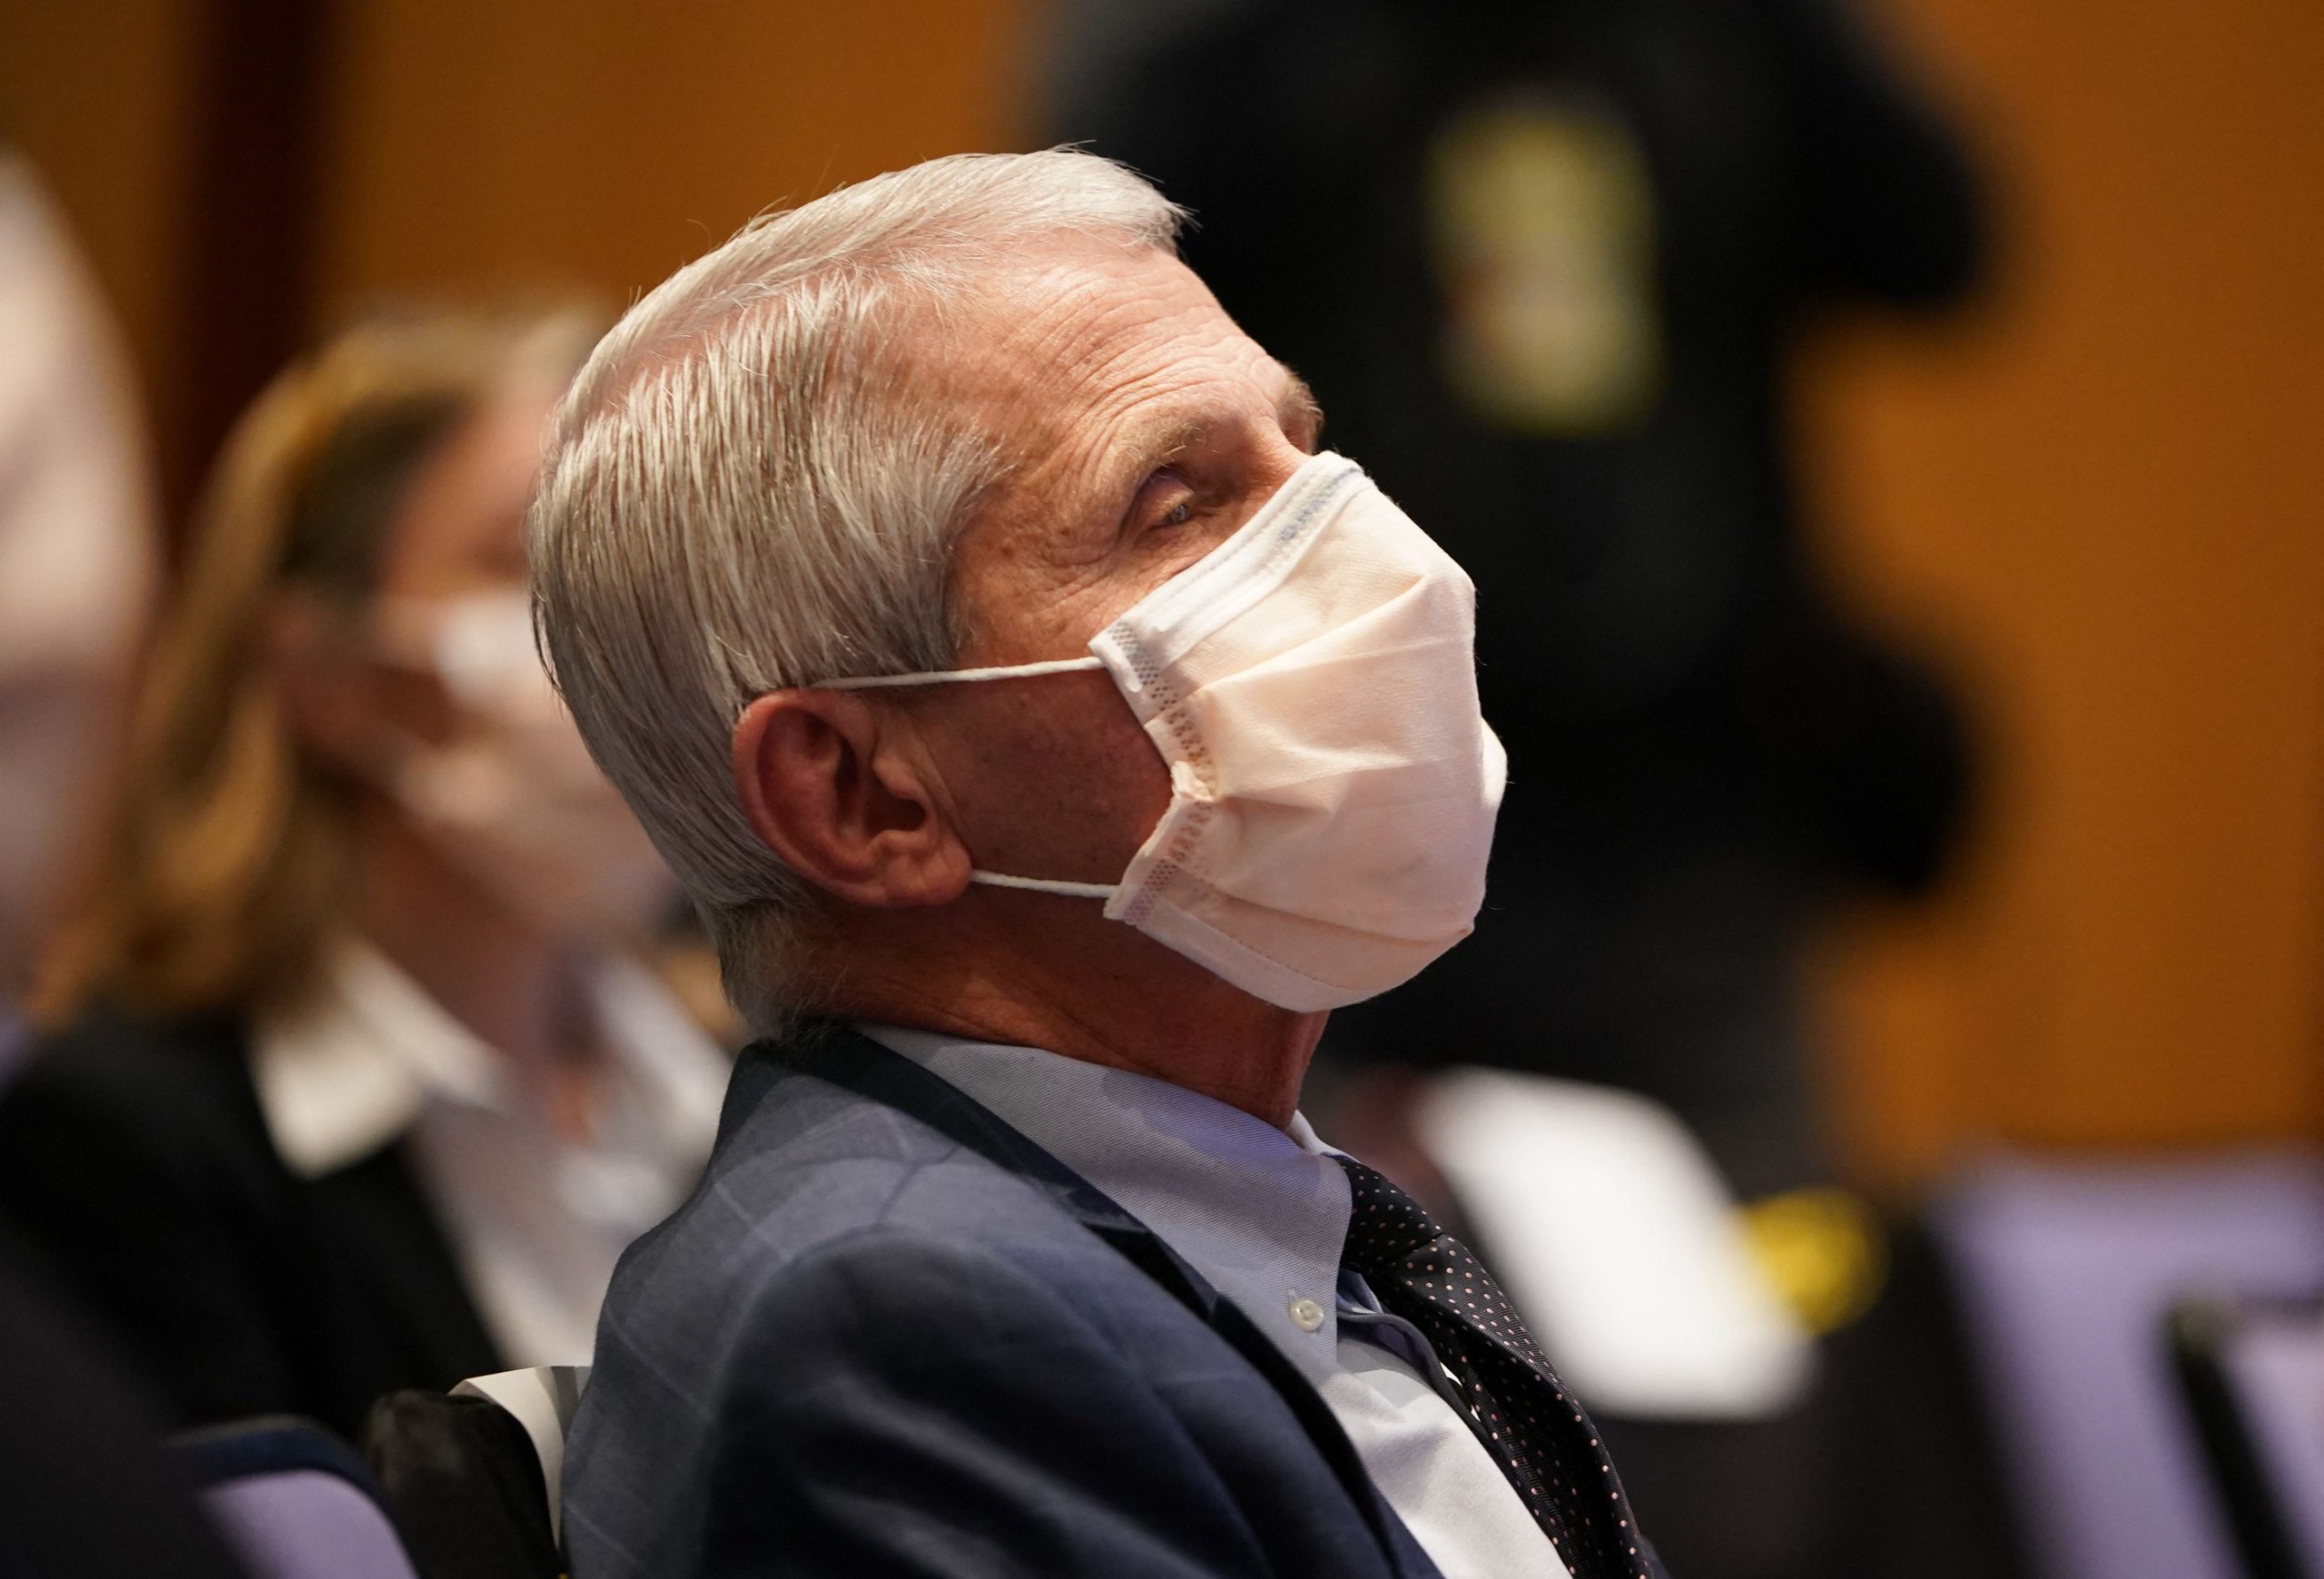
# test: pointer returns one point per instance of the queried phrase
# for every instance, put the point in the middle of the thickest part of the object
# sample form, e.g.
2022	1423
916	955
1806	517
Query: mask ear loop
1002	672
946	676
1048	886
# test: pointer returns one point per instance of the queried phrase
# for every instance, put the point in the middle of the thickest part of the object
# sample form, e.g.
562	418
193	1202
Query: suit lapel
845	1058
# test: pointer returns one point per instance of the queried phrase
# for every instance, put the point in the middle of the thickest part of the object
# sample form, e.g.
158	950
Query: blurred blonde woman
348	1084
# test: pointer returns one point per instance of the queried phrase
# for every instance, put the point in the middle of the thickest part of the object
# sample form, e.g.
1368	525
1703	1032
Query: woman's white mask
1312	684
514	799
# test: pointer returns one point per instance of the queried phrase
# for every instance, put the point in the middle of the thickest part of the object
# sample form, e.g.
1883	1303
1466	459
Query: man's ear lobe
826	781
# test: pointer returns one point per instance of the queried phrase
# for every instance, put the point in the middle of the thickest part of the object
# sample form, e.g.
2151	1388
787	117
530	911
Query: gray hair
741	495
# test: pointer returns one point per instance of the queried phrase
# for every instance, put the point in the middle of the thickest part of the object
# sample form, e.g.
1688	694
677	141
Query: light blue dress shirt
1261	1213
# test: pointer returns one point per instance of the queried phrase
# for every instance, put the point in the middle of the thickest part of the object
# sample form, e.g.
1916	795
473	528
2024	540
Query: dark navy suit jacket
889	1335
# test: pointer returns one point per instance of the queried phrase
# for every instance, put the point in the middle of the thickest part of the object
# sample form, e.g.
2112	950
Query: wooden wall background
2107	494
2102	498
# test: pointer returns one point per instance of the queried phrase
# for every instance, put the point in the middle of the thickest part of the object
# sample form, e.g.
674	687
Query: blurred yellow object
1542	217
1822	1252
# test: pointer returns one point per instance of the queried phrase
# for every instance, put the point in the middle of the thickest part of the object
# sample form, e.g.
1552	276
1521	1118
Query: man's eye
1168	501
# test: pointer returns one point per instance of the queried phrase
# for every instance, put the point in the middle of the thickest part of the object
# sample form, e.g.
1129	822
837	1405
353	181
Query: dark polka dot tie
1546	1444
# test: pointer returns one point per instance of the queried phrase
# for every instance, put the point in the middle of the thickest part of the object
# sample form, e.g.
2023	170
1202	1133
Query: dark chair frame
2200	1330
268	1445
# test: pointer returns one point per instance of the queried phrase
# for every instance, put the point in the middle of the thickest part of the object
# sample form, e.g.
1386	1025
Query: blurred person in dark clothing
82	1493
1544	265
348	1086
81	1490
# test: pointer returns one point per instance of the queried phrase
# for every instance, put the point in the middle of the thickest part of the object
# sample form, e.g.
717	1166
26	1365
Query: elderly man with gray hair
1050	736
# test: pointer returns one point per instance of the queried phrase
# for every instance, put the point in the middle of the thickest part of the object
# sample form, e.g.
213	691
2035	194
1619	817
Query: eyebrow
1135	456
1297	405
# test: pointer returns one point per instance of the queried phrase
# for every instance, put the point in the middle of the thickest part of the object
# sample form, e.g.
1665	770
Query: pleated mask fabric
1310	683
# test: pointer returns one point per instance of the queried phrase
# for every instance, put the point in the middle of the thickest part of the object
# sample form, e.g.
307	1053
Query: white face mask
1312	684
513	800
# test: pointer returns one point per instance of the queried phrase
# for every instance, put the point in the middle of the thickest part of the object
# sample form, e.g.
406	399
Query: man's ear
829	780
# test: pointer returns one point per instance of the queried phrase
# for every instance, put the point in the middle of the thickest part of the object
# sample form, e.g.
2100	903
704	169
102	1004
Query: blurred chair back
543	1400
2253	1374
293	1501
2067	1273
474	1474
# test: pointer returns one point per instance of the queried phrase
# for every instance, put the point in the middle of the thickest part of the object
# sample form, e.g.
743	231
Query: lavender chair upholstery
292	1502
2067	1272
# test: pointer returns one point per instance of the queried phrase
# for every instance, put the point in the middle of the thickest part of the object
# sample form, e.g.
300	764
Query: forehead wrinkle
1080	327
1035	371
1145	432
1086	382
1076	417
1177	426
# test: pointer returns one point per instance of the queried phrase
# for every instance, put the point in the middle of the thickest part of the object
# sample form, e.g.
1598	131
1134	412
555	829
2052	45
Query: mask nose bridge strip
949	676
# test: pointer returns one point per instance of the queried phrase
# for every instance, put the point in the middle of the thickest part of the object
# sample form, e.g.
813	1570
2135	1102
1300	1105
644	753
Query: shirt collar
352	1068
1261	1213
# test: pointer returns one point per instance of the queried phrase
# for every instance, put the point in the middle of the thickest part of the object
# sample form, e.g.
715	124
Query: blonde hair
227	867
744	493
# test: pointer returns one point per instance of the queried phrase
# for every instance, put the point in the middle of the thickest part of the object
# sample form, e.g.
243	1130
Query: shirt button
1305	1313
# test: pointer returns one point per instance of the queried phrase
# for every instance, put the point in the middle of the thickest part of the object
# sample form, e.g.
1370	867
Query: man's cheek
1142	784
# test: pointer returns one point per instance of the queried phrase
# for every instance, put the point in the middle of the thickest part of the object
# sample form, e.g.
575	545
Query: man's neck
1114	997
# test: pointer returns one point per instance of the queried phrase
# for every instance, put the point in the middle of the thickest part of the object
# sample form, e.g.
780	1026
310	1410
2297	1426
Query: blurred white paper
1618	1242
